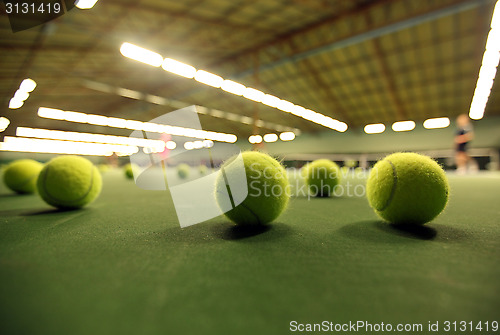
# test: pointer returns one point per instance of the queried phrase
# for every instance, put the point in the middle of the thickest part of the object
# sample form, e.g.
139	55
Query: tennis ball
407	188
203	170
20	176
350	163
69	182
322	177
267	184
103	168
129	170
183	170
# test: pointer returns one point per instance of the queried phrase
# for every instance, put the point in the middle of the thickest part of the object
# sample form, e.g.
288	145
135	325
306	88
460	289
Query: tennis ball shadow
416	231
14	195
48	211
251	232
383	232
214	231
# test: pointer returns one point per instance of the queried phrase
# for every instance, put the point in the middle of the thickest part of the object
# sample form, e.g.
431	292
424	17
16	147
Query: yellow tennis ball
69	182
20	176
267	185
129	170
183	170
407	188
322	176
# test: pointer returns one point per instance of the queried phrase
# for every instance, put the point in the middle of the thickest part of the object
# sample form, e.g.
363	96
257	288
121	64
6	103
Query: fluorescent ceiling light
375	128
189	145
4	123
21	95
434	123
198	144
85	4
27	85
253	94
286	106
158	145
495	19
271	100
403	126
230	86
137	53
15	103
124	92
154	99
208	78
171	145
255	139
488	69
208	144
270	138
178	68
65	147
116	122
287	136
233	87
100	120
75	117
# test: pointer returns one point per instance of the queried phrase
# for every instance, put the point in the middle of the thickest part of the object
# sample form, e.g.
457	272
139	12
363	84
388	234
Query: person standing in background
463	136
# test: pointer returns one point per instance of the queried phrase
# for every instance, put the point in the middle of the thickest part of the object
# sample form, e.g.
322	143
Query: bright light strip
495	19
208	78
85	4
285	106
271	100
124	92
255	139
270	138
208	144
171	145
403	126
230	86
27	85
142	55
157	145
233	87
488	69
374	128
435	123
287	136
64	147
198	144
178	68
21	95
4	123
15	104
56	114
253	94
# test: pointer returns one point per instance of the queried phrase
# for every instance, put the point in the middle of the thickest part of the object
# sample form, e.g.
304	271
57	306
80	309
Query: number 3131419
32	8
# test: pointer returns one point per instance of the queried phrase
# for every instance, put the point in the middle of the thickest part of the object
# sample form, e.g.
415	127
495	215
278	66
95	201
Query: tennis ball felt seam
65	201
259	220
394	185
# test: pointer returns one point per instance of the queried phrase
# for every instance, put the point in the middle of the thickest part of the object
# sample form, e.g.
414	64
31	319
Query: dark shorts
462	147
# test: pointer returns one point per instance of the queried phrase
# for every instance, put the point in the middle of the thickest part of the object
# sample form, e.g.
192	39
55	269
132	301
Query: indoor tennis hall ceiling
359	62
